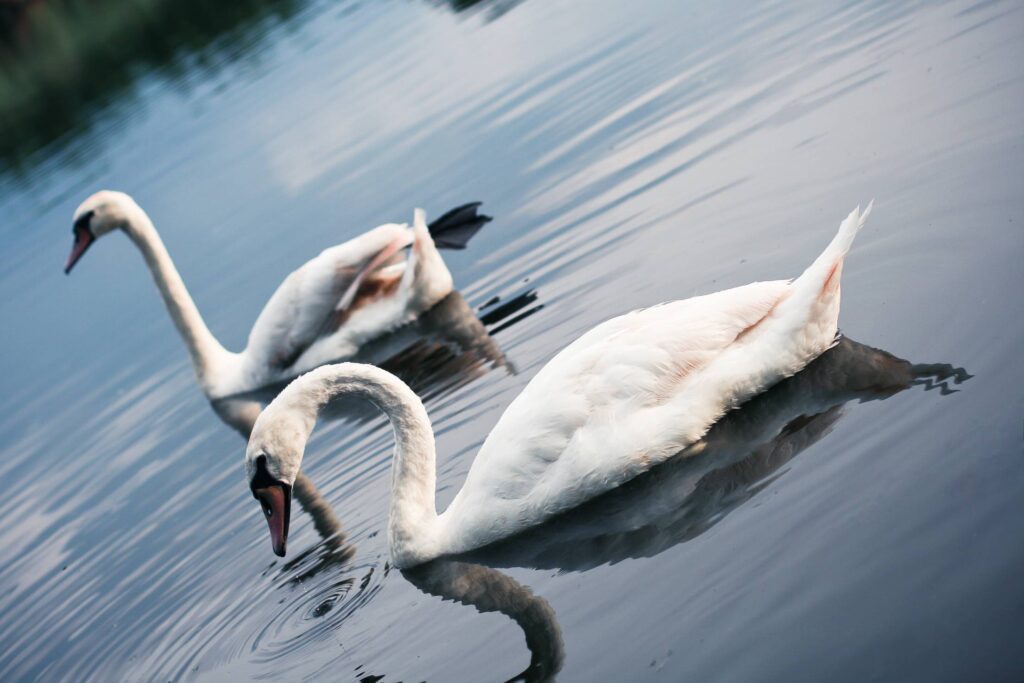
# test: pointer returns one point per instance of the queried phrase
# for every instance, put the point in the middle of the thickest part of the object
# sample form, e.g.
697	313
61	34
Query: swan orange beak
83	240
276	501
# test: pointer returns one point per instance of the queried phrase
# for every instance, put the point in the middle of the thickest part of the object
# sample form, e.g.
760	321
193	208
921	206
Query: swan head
98	215
272	461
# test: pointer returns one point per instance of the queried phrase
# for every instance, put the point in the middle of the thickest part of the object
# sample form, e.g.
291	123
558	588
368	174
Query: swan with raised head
622	398
323	312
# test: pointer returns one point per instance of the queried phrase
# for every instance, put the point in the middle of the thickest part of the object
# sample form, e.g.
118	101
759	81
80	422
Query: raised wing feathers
300	309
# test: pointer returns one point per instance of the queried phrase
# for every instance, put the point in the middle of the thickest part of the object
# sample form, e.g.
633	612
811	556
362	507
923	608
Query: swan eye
268	511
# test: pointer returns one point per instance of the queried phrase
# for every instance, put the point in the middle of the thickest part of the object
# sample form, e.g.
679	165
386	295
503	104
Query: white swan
627	395
322	312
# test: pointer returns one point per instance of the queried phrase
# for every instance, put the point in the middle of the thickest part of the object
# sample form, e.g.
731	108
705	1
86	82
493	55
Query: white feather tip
867	211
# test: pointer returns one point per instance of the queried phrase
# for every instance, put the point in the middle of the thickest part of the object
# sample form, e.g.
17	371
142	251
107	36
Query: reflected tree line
63	63
66	61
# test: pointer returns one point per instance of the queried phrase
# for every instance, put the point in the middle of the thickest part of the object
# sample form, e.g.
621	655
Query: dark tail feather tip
454	229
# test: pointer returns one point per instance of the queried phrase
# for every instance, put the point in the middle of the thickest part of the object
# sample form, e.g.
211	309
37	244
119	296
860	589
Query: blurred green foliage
62	62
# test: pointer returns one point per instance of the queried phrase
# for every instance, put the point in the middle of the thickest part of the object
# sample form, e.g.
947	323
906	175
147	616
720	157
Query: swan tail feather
454	229
822	277
848	230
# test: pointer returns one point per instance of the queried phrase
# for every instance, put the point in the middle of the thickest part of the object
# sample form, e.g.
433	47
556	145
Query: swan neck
413	524
206	352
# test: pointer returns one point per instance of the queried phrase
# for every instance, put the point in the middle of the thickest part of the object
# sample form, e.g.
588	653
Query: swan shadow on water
738	457
680	499
445	348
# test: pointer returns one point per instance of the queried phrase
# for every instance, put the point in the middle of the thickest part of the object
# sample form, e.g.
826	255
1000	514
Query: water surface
858	523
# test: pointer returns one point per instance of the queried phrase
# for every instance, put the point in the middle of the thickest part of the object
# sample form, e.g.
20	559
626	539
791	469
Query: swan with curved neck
622	398
322	312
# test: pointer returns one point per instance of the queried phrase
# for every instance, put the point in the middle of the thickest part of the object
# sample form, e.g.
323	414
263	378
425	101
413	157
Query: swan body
745	449
324	311
622	398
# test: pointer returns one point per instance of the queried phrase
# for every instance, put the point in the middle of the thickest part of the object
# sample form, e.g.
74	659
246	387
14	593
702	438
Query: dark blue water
859	522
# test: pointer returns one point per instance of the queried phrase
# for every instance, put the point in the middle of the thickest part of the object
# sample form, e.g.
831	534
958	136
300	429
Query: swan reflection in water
680	499
672	503
445	348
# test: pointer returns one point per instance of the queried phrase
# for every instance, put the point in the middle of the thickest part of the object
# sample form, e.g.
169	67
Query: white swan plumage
625	396
324	311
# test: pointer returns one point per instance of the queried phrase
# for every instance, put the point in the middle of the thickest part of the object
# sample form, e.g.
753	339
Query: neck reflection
489	590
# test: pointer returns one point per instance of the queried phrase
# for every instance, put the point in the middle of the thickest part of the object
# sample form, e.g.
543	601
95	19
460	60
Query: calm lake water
861	521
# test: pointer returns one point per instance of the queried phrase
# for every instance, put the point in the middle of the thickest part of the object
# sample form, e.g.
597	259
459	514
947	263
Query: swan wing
313	300
641	388
606	408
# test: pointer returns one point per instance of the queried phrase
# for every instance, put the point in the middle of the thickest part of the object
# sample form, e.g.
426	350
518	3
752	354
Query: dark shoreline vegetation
65	64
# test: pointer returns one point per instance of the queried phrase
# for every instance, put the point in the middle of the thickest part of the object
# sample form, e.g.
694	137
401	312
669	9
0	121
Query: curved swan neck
413	519
206	352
